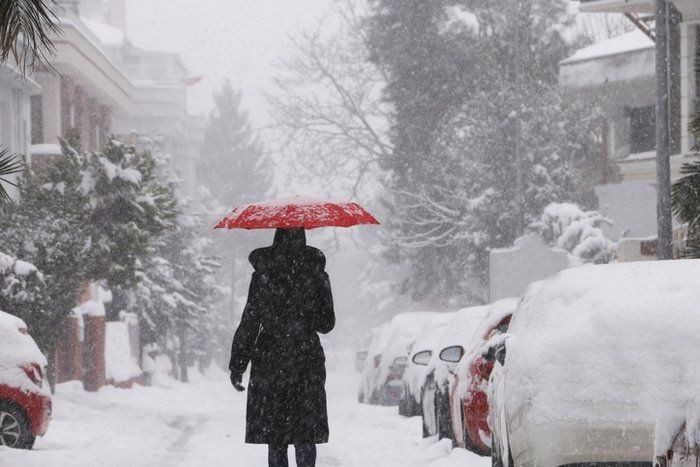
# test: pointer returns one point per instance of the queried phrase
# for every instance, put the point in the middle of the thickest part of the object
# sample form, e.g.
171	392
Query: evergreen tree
234	171
48	227
130	208
233	167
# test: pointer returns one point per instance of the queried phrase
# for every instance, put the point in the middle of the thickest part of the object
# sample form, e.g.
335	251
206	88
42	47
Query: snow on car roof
461	329
16	349
610	342
431	333
405	328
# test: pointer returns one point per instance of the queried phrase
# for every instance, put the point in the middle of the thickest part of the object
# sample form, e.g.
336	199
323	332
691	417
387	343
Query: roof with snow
629	42
108	35
623	59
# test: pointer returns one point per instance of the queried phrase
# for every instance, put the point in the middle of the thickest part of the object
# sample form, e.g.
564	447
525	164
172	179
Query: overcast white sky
236	39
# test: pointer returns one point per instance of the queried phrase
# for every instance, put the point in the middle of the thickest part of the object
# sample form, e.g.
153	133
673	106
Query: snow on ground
202	423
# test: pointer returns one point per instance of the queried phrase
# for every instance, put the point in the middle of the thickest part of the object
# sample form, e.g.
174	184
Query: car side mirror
422	358
452	354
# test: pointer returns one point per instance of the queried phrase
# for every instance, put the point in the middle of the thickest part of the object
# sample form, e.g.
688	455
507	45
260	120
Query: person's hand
236	381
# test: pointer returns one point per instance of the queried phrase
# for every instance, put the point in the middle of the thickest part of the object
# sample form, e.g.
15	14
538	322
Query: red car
468	397
25	401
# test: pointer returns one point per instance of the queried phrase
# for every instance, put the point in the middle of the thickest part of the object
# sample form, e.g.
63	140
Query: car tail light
33	372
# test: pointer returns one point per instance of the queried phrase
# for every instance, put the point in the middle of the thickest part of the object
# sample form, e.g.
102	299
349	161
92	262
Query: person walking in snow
289	303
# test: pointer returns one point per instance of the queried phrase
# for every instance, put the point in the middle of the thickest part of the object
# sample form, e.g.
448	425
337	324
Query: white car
435	394
599	366
387	356
418	358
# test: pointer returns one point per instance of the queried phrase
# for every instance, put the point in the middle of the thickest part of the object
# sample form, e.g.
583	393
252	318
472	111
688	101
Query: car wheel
444	424
374	398
403	405
426	432
496	456
466	440
413	408
15	431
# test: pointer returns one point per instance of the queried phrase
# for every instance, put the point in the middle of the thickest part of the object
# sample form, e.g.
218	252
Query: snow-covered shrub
567	226
21	283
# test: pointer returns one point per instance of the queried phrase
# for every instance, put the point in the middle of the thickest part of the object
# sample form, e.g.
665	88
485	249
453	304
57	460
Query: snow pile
460	331
158	366
17	348
579	232
612	344
119	364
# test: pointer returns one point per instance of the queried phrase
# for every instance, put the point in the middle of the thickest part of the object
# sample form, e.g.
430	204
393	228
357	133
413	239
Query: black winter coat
289	302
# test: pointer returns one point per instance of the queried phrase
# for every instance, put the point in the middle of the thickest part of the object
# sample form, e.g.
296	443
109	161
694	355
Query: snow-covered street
202	423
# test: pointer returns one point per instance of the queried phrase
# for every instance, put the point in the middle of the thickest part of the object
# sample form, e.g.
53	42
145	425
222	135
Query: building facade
160	81
82	91
619	75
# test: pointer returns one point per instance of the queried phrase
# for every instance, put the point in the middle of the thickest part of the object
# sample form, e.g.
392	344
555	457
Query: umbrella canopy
296	211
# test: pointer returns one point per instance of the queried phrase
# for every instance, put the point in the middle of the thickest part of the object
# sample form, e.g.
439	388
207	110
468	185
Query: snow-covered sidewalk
202	423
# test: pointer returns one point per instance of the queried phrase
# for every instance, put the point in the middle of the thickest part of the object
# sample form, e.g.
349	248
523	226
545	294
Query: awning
617	6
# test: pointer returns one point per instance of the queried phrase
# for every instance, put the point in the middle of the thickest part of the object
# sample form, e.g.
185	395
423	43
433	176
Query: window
37	119
642	129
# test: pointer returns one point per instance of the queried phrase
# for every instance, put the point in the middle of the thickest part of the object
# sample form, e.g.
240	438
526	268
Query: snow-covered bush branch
567	226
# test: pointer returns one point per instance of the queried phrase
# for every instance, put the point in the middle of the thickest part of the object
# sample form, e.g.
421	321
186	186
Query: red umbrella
296	211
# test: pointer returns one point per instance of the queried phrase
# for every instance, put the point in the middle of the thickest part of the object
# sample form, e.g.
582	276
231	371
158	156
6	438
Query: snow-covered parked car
25	400
599	366
468	397
421	352
382	376
435	393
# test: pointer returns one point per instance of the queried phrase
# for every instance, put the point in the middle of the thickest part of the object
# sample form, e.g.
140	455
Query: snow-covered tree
233	163
328	108
49	227
482	139
22	289
567	226
130	209
234	170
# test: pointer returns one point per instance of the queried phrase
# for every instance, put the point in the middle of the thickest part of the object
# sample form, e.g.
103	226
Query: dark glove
236	381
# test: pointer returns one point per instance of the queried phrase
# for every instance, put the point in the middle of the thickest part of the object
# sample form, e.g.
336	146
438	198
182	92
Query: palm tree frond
10	164
26	27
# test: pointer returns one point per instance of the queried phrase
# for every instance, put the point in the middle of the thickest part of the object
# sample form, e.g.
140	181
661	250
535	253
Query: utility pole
663	162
